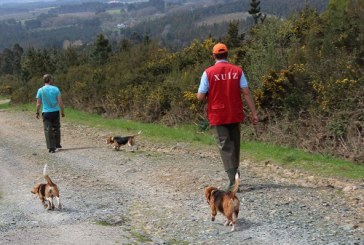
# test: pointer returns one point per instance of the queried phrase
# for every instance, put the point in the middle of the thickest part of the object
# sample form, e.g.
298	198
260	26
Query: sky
19	1
15	1
26	1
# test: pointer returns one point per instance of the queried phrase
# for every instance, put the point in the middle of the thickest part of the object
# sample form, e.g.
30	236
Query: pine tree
102	50
125	45
6	63
254	11
17	53
232	37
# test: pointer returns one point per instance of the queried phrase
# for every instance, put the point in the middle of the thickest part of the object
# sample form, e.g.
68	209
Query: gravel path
154	195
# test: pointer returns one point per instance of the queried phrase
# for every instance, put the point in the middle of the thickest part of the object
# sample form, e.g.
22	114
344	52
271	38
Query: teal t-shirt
48	94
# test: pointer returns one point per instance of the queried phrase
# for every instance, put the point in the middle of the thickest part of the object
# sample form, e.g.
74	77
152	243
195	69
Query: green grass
2	97
184	133
4	105
318	164
257	151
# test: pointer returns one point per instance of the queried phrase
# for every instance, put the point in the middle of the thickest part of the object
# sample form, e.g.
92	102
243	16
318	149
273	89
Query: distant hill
174	22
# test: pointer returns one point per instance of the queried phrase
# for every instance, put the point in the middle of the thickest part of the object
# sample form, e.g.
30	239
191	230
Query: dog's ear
35	189
208	191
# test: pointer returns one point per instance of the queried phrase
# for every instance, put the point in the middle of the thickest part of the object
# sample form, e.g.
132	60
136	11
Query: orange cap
219	48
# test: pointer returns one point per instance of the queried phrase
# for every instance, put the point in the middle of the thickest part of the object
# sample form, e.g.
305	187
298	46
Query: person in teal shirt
50	99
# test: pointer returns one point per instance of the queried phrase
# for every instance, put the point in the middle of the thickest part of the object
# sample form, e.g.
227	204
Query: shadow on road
251	187
78	148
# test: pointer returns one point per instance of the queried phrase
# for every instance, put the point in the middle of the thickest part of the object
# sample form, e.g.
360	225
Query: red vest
225	105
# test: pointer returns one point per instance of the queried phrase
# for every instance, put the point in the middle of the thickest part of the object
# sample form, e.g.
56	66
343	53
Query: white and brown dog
46	192
118	141
226	203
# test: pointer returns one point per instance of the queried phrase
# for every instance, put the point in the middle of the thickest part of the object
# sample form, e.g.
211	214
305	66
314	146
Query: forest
305	72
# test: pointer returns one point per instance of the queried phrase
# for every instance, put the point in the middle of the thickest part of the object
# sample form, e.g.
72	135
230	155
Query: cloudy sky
24	1
17	1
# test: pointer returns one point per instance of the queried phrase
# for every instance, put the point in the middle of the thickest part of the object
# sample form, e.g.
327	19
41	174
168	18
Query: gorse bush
316	100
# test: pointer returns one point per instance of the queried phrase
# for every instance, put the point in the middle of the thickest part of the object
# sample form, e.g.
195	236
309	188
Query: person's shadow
77	148
257	187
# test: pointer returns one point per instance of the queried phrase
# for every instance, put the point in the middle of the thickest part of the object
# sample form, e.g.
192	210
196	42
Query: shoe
58	146
52	150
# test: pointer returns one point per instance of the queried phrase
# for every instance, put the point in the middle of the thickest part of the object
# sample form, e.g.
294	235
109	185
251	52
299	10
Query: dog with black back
118	141
224	202
47	192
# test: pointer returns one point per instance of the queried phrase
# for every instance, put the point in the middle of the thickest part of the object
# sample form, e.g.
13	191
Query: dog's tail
46	177
236	184
137	133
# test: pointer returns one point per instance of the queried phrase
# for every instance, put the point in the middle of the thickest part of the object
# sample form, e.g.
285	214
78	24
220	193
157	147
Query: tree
254	11
32	24
125	45
159	4
6	62
136	38
17	54
232	37
356	12
101	50
37	62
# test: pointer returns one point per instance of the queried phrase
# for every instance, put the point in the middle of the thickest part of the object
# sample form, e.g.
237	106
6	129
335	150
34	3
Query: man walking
222	85
49	96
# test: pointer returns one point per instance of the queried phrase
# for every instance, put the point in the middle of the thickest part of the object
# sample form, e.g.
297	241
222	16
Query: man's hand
255	119
62	114
37	115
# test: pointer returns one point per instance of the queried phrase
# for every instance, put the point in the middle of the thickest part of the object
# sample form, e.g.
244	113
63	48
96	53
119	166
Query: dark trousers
228	141
52	129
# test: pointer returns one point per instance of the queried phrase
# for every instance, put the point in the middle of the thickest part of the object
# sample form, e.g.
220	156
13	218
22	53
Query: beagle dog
118	141
47	192
226	203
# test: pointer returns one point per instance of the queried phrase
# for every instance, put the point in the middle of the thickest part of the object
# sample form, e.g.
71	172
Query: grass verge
4	104
316	164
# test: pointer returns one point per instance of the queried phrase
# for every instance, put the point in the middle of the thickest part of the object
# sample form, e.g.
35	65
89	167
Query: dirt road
154	195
